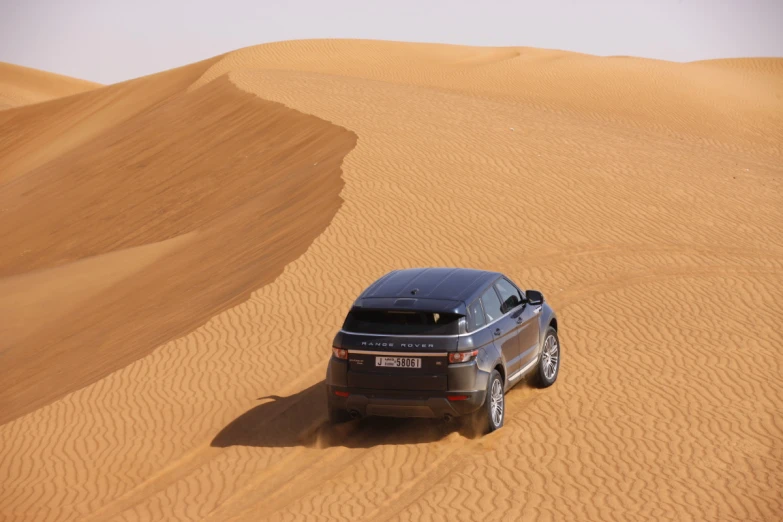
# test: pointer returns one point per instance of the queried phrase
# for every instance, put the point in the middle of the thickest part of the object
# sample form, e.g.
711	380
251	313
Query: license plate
398	362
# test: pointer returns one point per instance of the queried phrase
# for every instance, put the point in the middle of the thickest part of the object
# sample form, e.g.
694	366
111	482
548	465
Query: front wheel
549	360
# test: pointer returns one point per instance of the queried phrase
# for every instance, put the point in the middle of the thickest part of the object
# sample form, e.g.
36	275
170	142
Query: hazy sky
109	40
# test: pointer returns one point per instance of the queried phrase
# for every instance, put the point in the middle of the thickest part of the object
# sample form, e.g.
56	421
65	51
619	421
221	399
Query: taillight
340	353
461	357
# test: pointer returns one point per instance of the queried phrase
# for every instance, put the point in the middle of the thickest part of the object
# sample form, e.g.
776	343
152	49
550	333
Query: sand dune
205	165
23	85
198	253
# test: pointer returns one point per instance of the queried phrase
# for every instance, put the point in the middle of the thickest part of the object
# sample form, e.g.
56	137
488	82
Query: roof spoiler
412	304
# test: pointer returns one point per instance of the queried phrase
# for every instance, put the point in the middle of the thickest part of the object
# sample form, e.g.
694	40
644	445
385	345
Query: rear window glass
491	304
401	323
475	316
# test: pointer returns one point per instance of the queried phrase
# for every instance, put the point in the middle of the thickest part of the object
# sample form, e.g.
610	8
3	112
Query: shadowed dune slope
643	198
32	136
23	85
145	231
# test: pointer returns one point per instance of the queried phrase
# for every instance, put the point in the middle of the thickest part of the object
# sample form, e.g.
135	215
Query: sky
109	41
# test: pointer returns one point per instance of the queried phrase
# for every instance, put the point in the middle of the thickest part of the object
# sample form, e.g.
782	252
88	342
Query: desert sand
179	250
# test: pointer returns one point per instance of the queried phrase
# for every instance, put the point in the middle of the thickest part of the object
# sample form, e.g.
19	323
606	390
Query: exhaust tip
448	418
355	414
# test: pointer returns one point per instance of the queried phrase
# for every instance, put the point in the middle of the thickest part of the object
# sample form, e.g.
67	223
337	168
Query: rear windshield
401	323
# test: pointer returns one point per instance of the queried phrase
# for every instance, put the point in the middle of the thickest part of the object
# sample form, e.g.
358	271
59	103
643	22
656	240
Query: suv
440	343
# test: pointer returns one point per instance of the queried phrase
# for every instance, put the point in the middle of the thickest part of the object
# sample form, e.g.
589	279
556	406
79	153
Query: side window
475	316
491	304
509	294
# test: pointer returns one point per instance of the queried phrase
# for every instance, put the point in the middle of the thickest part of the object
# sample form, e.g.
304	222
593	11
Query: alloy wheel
550	357
496	402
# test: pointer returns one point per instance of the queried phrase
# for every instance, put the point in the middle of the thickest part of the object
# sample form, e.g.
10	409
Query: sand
175	271
24	86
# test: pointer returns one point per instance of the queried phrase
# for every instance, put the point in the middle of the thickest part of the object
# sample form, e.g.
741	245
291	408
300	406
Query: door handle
497	331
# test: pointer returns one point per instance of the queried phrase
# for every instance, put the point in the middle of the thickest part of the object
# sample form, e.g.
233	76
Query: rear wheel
491	416
338	415
549	360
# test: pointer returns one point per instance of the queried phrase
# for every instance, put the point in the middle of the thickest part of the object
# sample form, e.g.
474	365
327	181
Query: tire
548	360
489	419
338	415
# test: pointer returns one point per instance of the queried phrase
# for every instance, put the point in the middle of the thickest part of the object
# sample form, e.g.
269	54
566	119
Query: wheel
338	415
549	360
490	416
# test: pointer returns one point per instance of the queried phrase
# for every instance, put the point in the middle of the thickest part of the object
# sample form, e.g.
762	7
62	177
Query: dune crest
642	197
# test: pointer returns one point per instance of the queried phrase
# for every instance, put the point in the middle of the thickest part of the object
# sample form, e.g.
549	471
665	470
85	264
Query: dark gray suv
440	343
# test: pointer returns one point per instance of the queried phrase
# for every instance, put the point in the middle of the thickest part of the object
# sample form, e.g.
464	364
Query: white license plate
398	362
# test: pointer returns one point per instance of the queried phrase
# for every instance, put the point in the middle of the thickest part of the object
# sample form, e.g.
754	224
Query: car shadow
301	420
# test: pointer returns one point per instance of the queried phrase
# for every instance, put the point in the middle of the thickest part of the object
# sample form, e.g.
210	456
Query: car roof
437	283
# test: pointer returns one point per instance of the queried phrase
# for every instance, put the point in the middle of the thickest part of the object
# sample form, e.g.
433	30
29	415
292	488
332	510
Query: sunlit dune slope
678	99
771	66
22	85
174	274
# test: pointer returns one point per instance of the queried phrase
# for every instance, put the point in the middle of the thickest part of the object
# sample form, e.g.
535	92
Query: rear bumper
405	404
378	394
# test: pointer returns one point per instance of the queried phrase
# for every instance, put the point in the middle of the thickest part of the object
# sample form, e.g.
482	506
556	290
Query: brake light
457	397
461	357
341	393
340	353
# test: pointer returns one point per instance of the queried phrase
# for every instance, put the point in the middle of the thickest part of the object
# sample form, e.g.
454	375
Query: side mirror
534	297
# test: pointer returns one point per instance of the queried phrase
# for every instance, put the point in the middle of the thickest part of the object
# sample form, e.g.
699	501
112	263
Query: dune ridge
21	85
649	222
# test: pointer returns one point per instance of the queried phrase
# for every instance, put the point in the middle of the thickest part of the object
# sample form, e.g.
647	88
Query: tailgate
423	361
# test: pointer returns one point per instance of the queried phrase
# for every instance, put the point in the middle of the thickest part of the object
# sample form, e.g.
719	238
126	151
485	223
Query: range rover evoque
440	343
